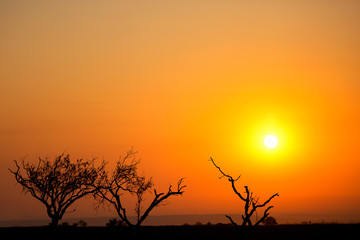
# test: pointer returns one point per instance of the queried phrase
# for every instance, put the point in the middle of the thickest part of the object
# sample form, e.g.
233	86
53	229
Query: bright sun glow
270	141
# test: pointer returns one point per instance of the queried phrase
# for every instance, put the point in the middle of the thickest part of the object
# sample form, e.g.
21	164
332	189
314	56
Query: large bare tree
59	183
125	179
251	203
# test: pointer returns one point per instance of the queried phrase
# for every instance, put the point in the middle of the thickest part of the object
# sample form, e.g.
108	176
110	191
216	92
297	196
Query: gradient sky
181	81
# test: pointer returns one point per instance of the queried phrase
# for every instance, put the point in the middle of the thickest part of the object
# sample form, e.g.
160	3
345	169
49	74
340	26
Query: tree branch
230	178
267	201
160	197
264	216
232	221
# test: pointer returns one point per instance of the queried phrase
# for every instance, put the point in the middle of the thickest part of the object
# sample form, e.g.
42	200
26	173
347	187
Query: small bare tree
251	203
125	179
58	184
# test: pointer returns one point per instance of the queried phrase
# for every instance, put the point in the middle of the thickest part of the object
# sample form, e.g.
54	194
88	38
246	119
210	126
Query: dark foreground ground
313	231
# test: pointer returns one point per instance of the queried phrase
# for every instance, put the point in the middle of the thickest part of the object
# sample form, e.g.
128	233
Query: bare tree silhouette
59	183
125	179
251	203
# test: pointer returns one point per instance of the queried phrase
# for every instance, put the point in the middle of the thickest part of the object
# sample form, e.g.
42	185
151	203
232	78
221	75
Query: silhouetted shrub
65	224
113	222
270	221
81	223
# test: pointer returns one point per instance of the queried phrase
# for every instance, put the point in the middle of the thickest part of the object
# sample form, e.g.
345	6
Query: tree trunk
54	221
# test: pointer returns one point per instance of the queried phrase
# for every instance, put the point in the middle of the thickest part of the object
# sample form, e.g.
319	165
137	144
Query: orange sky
182	81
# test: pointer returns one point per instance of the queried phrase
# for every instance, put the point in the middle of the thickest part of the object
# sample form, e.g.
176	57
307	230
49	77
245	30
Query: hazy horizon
192	219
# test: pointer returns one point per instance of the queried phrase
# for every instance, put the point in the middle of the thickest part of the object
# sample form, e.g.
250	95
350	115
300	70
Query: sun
270	141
